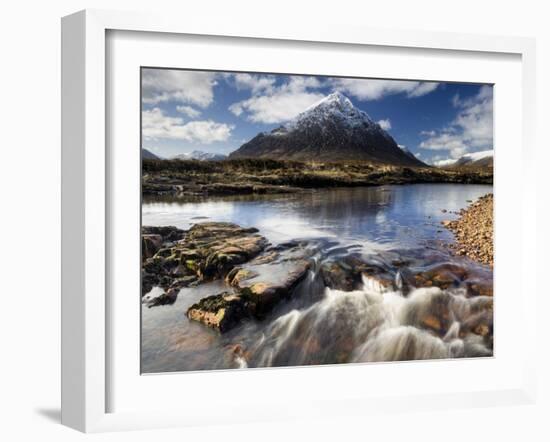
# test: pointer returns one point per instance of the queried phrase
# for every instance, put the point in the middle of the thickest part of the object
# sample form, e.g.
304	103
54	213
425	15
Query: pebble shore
474	231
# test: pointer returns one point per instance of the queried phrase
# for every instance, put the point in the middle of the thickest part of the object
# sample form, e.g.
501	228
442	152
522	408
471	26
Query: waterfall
375	324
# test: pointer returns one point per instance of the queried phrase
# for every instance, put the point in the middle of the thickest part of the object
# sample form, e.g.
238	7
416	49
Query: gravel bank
474	230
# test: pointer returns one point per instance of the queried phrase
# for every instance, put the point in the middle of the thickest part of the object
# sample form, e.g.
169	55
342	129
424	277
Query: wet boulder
353	272
149	280
272	276
207	251
222	312
222	246
167	233
448	276
160	297
479	288
477	319
429	309
444	276
257	287
338	277
448	316
150	244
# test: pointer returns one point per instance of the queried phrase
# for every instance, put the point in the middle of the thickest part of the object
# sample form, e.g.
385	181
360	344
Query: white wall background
30	217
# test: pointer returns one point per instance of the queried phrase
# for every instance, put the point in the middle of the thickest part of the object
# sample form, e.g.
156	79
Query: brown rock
259	286
221	312
150	244
207	251
267	282
346	274
431	322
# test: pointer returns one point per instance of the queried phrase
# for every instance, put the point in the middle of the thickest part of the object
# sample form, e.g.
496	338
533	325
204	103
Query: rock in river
206	251
221	312
258	286
348	274
150	244
213	249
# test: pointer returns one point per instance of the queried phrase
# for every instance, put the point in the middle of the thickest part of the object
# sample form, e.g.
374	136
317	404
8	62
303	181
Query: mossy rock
222	312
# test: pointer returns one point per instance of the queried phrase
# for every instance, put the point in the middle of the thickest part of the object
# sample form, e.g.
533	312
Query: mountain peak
334	108
335	99
332	129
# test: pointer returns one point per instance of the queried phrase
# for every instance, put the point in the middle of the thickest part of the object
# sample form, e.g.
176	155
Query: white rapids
375	324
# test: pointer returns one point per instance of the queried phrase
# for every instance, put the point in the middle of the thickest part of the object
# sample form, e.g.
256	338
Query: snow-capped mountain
148	155
475	159
332	129
200	156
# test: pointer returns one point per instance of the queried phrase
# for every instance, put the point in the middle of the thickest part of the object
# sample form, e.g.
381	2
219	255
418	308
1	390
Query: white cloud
471	129
161	85
191	112
428	133
385	124
281	103
270	103
377	89
256	83
454	143
157	125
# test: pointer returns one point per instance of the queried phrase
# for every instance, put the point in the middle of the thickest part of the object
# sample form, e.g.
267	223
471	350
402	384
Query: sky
217	112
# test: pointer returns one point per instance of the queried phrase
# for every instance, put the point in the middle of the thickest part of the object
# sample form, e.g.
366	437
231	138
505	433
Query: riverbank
474	230
257	176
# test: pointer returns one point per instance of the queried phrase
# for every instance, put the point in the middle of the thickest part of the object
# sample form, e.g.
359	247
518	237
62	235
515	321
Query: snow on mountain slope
475	159
332	129
476	156
334	107
445	163
200	156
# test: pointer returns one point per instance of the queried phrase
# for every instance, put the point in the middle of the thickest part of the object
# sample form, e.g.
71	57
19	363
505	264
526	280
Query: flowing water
390	225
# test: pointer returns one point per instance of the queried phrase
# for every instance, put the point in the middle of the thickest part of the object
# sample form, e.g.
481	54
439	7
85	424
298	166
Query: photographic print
297	220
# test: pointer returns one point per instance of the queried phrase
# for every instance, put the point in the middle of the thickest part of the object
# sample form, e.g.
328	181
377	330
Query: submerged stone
348	273
444	276
161	297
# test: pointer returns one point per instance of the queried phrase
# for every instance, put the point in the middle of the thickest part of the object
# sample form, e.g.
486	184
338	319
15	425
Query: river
319	325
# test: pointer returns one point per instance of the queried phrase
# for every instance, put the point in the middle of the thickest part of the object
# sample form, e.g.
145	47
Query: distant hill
483	159
201	156
331	130
148	155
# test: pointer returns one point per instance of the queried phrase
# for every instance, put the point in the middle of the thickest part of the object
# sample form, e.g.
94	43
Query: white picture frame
86	317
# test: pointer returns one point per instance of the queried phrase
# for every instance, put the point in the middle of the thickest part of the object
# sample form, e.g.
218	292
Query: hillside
148	155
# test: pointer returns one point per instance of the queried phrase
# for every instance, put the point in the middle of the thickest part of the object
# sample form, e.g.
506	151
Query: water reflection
384	217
